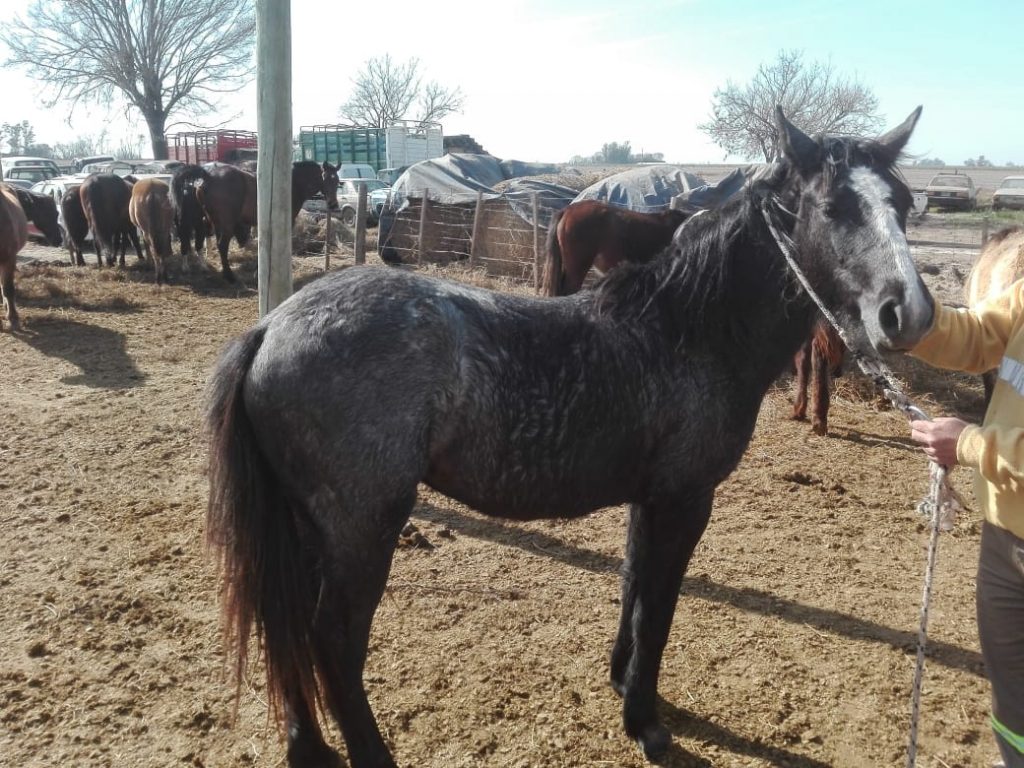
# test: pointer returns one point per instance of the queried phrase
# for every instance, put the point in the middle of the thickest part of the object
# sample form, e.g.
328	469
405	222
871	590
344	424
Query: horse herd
197	203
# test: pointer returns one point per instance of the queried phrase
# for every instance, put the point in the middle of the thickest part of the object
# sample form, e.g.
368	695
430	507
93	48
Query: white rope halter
941	502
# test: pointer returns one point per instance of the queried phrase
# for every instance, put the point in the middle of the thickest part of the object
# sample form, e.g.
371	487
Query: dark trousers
1000	603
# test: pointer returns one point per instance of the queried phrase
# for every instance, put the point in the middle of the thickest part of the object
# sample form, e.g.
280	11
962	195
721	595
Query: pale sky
548	79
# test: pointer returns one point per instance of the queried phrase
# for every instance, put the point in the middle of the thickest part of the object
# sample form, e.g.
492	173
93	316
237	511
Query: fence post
327	242
423	225
474	249
536	242
360	245
984	231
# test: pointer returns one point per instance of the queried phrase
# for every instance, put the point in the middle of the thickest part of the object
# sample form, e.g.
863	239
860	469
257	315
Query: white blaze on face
880	219
884	247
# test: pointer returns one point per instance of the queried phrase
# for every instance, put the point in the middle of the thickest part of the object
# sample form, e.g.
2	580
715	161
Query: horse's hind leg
660	543
802	363
223	241
357	559
7	284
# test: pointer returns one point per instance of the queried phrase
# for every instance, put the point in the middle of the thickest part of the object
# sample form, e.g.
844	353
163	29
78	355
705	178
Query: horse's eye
830	209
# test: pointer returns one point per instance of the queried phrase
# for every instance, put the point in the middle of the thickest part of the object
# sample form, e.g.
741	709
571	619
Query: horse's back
1000	264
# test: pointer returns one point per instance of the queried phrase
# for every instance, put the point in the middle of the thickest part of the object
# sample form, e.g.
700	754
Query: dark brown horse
18	207
591	233
105	198
818	360
228	196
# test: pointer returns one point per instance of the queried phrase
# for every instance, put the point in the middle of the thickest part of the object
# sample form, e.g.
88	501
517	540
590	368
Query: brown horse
105	198
150	210
818	360
18	207
228	195
1000	264
591	233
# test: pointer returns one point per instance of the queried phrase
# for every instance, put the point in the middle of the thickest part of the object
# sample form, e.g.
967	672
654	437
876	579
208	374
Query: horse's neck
776	317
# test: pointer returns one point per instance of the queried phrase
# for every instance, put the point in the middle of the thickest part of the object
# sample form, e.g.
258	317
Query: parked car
348	200
31	173
80	162
55	188
1010	194
952	190
23	183
15	161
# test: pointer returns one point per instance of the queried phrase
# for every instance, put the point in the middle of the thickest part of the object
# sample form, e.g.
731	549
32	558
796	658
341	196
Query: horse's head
850	209
329	184
41	210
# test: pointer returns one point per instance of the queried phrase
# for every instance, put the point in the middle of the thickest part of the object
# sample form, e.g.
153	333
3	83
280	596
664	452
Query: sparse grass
996	219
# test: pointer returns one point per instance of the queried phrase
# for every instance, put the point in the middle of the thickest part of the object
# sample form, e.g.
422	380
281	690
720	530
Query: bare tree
385	91
812	95
161	56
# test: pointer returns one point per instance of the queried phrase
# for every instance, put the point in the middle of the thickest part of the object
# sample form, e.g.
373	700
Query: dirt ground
793	644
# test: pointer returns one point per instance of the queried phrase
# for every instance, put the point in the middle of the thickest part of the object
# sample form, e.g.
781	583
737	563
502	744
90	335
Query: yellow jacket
977	340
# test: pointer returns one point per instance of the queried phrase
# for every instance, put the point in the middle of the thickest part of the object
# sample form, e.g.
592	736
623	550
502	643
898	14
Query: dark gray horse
645	390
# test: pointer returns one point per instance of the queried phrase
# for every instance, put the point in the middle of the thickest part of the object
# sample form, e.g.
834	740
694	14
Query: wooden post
478	216
327	243
984	231
274	164
536	242
423	225
360	244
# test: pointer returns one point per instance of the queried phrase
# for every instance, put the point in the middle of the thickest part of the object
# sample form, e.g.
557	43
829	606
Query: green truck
401	144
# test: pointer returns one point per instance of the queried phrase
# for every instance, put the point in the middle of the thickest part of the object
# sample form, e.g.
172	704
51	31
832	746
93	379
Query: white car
1010	194
55	188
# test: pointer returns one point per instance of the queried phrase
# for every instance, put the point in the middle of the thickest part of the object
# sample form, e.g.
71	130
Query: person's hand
938	438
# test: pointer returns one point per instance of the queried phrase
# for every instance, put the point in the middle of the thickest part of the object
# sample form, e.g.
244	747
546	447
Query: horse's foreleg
660	543
802	362
7	285
821	381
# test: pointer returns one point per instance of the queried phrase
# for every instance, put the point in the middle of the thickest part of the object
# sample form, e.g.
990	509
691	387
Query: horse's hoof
820	429
655	741
230	277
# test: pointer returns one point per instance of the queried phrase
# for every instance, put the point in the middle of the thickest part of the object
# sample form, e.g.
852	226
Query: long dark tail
553	278
183	183
267	584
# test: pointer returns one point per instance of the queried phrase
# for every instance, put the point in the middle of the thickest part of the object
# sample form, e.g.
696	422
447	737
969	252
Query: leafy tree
18	136
385	91
981	162
615	153
160	56
812	95
930	162
84	146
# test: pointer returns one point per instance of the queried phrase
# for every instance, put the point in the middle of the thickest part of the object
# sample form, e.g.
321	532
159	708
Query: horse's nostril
889	318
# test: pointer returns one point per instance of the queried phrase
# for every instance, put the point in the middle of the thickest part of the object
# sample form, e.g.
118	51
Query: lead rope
942	501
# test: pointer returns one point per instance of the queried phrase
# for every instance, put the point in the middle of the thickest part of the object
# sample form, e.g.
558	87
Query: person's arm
972	340
996	452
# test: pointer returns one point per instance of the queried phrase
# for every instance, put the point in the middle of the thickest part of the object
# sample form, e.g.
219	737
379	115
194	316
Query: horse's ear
895	140
796	146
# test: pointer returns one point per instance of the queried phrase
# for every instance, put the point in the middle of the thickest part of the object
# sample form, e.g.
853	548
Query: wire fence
506	236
